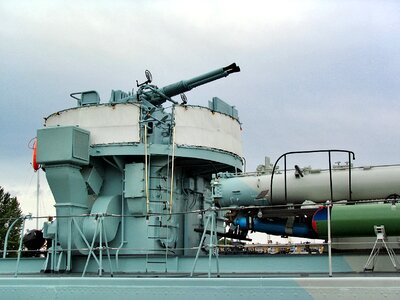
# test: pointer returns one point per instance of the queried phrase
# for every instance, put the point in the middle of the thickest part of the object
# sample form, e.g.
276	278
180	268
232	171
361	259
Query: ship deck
240	277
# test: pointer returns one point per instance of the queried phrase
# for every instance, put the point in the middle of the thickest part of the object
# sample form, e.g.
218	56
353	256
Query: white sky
315	74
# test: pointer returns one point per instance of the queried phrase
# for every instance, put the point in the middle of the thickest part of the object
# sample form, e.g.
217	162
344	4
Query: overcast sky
315	74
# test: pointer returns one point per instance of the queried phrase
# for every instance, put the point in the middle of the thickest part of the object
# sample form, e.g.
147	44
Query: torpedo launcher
288	202
367	183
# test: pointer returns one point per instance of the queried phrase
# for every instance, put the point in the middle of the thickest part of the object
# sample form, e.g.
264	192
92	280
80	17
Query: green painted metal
104	207
360	219
86	98
161	288
201	288
229	265
218	105
214	155
63	145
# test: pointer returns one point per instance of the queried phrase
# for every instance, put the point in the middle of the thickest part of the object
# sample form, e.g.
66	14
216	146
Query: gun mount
157	96
153	95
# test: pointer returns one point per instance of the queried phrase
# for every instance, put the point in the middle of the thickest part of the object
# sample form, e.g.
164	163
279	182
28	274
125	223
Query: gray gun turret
157	96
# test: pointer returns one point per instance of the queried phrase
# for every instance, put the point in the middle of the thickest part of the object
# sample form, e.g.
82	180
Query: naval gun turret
126	174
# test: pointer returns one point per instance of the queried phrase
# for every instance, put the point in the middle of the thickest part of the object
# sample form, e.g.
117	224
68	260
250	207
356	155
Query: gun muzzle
232	68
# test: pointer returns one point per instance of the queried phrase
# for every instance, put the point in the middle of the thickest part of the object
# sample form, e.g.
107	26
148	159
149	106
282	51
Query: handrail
351	156
25	217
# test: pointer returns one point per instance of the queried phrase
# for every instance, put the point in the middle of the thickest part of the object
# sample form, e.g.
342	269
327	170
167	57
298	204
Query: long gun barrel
157	97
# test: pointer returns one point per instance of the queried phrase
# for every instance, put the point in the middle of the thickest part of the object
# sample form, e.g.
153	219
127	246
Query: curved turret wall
120	124
107	124
201	127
